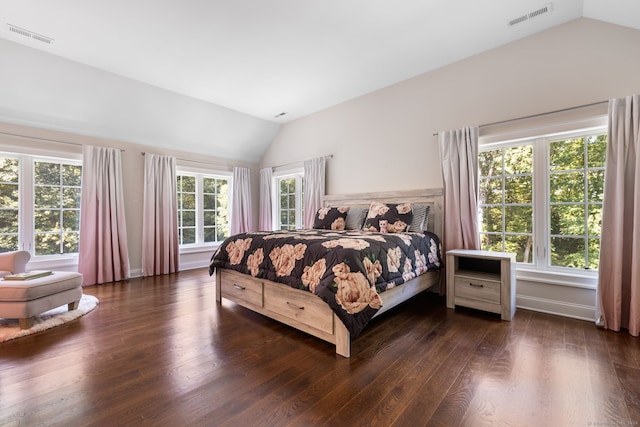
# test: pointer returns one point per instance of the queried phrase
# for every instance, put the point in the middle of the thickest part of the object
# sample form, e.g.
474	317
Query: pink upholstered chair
25	299
13	262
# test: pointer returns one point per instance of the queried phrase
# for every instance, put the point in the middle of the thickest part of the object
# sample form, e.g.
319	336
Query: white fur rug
10	328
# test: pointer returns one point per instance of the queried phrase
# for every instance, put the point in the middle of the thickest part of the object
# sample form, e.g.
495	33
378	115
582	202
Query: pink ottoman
24	299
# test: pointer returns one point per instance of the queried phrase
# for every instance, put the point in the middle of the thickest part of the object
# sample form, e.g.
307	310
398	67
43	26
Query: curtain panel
459	153
314	188
265	222
619	270
241	210
103	254
160	246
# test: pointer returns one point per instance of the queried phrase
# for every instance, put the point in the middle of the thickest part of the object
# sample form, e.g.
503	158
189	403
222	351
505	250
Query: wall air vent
541	11
30	34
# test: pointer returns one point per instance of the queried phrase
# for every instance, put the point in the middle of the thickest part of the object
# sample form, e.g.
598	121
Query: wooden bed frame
305	311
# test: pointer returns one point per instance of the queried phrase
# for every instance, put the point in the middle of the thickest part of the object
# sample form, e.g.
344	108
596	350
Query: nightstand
482	280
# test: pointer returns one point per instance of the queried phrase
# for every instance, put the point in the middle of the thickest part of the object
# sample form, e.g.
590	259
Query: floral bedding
347	269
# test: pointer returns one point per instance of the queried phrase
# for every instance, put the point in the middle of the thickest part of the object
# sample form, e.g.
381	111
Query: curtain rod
40	139
328	156
47	139
199	161
540	114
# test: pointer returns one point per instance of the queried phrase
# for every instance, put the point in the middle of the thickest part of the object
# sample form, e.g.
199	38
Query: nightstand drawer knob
476	285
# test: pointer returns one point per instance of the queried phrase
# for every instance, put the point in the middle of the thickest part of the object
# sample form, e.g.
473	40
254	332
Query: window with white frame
289	208
203	207
542	199
40	208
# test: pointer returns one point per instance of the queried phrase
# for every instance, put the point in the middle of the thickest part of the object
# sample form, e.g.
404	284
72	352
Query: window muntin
186	186
215	209
9	208
506	200
557	184
56	207
203	208
576	187
289	211
40	208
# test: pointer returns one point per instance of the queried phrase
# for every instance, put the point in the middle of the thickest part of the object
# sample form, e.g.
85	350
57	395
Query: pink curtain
266	218
160	249
619	270
241	210
314	188
103	256
459	154
459	151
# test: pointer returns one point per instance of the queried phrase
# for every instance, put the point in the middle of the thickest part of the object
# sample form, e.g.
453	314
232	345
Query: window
203	208
289	209
10	208
40	204
542	199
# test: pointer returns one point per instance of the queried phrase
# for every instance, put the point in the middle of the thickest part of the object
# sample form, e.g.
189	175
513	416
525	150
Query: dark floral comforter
347	269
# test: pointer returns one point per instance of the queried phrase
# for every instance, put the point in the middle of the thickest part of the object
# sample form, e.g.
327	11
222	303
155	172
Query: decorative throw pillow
331	218
388	218
355	218
420	218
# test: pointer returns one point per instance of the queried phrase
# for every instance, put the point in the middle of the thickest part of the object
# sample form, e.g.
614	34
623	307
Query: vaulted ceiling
267	57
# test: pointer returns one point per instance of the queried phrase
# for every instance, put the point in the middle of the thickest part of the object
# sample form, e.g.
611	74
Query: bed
309	293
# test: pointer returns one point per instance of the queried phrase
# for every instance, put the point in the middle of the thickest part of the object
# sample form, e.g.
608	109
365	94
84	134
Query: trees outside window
10	206
290	191
542	199
56	207
203	208
40	204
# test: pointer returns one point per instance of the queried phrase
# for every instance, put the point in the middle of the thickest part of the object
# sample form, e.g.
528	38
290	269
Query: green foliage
56	206
576	187
57	192
287	203
215	209
8	242
506	199
9	203
9	170
9	195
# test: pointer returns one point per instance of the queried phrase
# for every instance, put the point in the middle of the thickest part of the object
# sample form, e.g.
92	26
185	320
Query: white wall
43	90
375	136
384	141
40	140
45	96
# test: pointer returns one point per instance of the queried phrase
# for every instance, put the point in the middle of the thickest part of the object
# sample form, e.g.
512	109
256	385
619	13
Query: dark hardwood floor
160	351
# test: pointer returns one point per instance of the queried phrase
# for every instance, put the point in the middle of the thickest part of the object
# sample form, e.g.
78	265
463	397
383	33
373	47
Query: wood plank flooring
160	351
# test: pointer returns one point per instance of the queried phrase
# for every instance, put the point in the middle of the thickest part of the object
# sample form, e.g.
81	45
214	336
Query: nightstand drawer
477	289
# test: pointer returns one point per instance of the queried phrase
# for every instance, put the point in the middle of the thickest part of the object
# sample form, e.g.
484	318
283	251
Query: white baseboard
560	308
192	265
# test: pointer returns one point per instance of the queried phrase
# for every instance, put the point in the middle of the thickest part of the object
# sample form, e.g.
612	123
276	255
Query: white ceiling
264	57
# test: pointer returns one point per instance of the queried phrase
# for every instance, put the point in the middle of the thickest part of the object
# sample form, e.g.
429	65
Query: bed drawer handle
242	288
478	285
295	306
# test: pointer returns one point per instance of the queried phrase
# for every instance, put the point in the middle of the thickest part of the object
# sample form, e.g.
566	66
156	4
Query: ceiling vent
541	11
30	34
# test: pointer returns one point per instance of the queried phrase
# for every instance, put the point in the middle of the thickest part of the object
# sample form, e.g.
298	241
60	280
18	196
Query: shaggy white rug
10	328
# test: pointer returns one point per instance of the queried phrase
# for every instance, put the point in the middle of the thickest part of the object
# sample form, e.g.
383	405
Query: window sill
194	249
53	262
585	281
